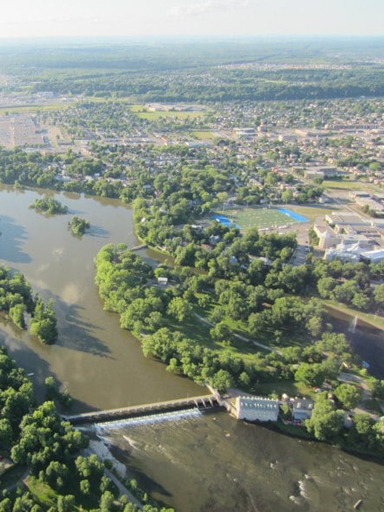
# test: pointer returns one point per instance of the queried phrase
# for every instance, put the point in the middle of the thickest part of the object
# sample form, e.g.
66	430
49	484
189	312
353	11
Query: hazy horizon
26	19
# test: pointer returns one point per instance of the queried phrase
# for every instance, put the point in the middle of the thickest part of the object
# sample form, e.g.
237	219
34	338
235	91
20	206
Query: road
122	489
350	378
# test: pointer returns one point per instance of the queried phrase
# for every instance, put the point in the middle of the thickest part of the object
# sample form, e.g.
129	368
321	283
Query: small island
49	205
78	226
17	301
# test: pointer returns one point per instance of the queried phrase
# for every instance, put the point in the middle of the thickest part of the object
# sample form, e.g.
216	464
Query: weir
148	419
200	402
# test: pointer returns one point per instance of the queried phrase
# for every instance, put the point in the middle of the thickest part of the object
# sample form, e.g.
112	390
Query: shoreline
369	319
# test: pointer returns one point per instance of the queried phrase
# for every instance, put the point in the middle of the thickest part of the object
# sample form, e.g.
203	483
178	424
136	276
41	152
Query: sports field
261	218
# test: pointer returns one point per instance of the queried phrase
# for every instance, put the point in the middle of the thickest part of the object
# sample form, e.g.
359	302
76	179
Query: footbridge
205	402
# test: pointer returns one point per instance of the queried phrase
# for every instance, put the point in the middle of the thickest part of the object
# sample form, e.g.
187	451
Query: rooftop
257	402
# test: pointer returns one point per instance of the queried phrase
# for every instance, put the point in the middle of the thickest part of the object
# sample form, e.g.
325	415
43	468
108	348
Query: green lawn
261	218
199	331
290	387
47	496
42	492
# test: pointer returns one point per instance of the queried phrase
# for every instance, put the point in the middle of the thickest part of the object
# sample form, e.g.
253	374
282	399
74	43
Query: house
374	206
302	408
255	408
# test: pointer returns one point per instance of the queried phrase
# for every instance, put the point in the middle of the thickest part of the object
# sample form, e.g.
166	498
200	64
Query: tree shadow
144	481
11	241
72	211
35	367
98	232
77	334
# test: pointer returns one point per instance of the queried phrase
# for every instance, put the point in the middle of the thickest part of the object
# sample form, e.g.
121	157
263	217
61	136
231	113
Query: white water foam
147	420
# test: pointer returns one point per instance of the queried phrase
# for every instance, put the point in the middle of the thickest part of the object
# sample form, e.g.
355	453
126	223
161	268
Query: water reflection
98	231
367	341
13	237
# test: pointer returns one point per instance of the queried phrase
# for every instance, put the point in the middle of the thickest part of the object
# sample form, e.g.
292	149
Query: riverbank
368	318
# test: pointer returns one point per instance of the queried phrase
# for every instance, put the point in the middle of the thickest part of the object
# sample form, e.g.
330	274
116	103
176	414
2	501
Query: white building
255	408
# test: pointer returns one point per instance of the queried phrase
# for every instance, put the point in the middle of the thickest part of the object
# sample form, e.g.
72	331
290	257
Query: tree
17	315
325	422
325	286
221	332
180	309
5	433
378	389
310	374
43	323
51	389
204	301
222	380
66	503
378	294
85	487
78	226
348	395
105	483
106	501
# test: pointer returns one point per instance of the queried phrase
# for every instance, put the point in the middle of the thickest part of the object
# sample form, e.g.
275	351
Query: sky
132	18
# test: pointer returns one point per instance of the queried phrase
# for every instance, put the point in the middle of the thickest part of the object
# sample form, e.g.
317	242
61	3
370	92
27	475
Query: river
203	463
101	365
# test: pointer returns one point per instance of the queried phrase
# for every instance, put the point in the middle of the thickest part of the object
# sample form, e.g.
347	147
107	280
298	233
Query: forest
204	71
56	474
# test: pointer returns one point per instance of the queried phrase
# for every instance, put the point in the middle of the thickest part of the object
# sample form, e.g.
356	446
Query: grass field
261	218
42	492
160	114
290	387
313	211
350	185
203	135
22	109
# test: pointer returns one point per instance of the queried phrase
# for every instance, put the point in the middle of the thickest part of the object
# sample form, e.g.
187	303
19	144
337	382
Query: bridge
205	402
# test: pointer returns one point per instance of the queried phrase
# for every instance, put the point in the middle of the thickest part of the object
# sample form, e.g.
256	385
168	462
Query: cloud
202	7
